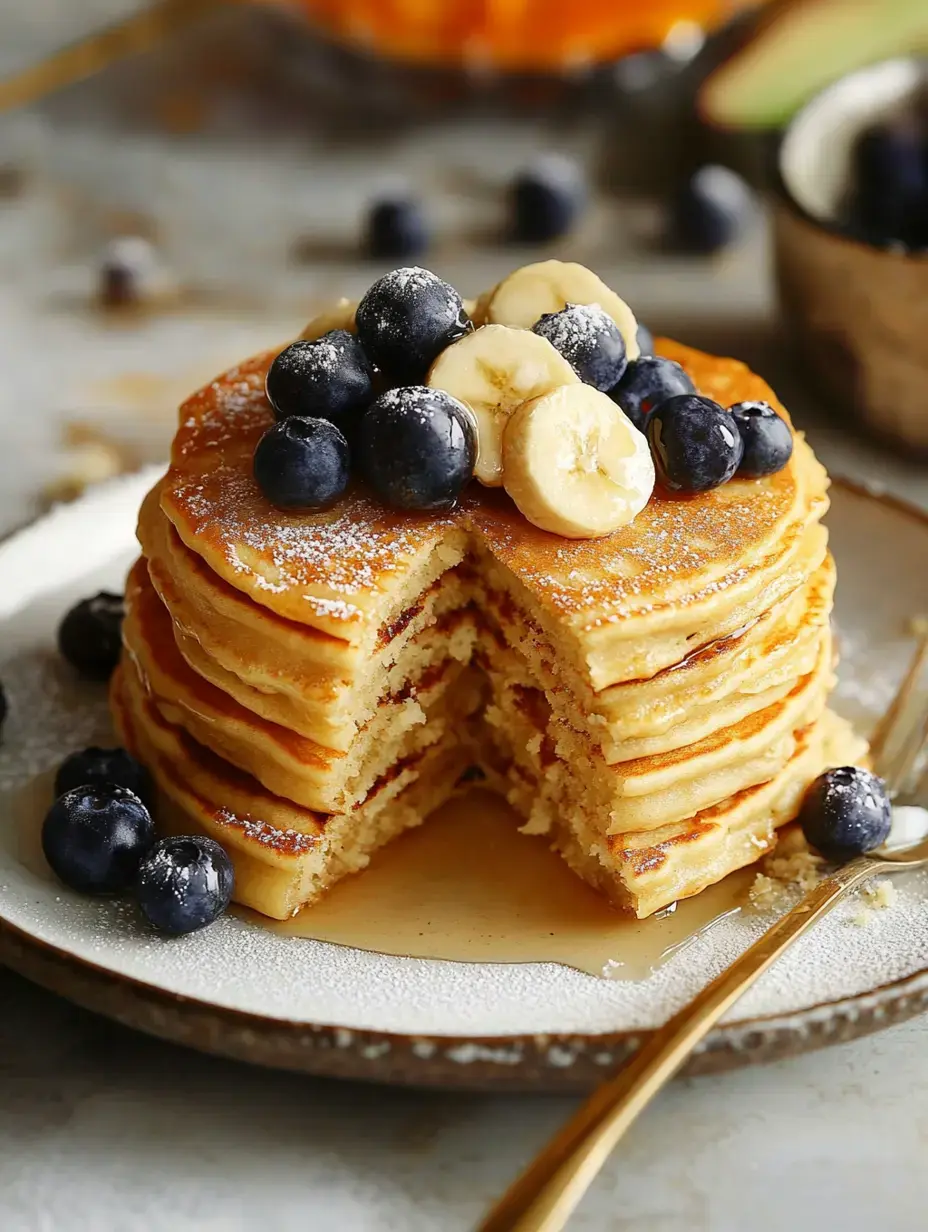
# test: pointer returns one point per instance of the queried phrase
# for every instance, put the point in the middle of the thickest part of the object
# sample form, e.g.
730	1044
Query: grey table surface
104	1129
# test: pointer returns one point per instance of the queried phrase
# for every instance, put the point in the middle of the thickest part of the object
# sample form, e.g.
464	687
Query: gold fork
543	1198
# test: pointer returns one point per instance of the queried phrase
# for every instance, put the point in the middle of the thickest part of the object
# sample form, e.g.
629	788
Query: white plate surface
882	555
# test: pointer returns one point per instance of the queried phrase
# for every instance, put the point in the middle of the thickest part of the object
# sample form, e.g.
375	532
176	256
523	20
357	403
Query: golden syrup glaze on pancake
148	636
806	699
250	818
761	809
267	650
326	570
289	765
182	576
279	835
642	859
336	571
743	653
774	635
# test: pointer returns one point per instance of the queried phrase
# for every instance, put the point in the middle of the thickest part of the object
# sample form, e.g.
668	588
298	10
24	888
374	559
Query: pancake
617	609
644	872
305	687
286	763
288	672
285	856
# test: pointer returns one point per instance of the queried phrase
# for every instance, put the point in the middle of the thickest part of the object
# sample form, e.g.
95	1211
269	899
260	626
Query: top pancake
684	568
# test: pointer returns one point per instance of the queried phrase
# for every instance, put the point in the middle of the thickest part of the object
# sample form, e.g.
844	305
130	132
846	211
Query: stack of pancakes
305	687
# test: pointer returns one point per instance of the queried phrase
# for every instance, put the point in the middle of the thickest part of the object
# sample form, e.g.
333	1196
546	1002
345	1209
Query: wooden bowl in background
859	313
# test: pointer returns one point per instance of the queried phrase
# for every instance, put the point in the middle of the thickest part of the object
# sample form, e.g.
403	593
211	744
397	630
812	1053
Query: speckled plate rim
539	1062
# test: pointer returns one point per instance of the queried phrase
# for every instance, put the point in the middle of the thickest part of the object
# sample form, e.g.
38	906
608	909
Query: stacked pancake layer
306	687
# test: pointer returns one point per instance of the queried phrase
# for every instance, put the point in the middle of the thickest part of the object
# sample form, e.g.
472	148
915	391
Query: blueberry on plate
96	767
94	837
645	340
647	382
695	443
406	319
184	884
418	447
128	267
302	463
90	636
328	378
545	200
396	229
710	211
846	812
589	340
767	439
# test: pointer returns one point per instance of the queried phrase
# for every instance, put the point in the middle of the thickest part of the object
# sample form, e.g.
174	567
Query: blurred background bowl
858	311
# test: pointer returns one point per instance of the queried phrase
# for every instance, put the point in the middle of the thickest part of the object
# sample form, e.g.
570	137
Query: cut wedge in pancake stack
305	687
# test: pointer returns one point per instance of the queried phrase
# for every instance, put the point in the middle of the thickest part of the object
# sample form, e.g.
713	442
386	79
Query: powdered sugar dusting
681	550
576	330
289	842
332	562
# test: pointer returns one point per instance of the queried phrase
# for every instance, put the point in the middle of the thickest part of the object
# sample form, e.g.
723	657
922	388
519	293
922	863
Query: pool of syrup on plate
468	887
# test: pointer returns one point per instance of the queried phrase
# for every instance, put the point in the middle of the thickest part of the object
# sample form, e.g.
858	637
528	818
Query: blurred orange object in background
523	35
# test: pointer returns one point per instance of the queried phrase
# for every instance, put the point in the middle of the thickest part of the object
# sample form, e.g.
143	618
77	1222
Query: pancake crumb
793	870
879	894
874	896
790	870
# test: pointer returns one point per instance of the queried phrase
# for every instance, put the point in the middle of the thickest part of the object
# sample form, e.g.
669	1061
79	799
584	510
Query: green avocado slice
800	48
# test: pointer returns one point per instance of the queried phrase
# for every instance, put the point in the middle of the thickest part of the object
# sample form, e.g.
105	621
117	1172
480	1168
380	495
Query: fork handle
543	1198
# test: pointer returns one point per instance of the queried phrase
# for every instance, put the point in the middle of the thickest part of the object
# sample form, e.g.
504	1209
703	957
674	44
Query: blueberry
647	383
846	812
302	463
645	340
418	447
396	228
710	211
589	340
329	378
96	767
94	837
695	443
406	320
767	439
889	199
184	884
546	200
128	269
90	636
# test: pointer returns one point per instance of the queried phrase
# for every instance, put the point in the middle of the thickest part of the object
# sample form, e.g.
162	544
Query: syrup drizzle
468	887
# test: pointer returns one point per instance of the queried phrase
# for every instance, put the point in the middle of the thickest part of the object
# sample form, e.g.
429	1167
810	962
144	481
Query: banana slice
575	465
339	316
548	286
494	370
477	308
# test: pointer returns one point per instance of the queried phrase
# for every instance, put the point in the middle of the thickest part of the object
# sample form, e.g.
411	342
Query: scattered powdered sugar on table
238	965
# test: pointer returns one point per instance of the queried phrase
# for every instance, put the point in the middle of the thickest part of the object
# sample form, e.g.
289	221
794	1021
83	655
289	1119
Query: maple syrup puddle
468	887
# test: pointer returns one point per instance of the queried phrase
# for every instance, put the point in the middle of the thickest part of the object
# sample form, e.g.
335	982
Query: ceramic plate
247	992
